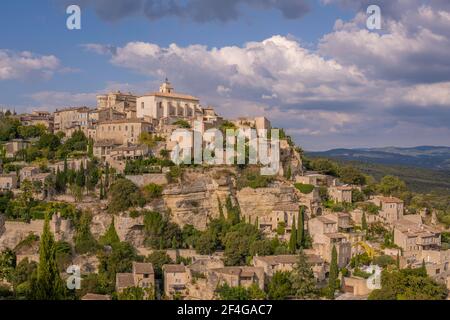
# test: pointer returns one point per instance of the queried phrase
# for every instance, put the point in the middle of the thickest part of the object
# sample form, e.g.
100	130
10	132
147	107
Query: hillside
429	157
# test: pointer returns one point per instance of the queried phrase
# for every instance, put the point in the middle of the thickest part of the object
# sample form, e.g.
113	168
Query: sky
310	66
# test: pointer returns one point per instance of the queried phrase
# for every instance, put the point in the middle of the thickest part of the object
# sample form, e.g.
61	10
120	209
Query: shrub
304	188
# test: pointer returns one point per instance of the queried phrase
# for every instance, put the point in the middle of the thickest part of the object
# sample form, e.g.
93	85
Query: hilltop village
95	188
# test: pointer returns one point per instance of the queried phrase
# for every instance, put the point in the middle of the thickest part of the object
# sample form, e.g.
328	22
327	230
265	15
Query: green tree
280	286
293	238
364	221
390	186
301	227
80	179
302	279
333	275
137	294
7	264
159	258
84	240
48	285
123	195
110	238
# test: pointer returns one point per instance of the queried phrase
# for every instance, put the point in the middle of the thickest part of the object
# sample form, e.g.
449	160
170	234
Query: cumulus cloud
21	65
195	10
356	87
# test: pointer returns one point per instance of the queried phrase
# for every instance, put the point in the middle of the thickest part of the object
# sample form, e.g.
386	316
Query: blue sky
310	66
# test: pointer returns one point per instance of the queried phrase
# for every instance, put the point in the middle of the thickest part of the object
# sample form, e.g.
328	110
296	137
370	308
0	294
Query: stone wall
259	203
145	179
15	232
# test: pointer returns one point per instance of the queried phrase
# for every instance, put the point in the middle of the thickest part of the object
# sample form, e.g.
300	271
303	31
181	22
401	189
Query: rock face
196	200
15	232
2	224
128	229
261	202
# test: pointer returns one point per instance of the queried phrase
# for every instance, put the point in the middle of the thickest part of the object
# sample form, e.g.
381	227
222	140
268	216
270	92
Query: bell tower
166	87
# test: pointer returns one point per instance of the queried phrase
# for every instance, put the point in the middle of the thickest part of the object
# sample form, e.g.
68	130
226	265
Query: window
142	105
146	275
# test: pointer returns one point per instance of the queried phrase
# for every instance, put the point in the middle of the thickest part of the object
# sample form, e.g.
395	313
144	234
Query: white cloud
21	65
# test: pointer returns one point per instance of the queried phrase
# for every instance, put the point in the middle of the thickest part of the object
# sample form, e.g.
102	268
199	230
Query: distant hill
424	169
437	158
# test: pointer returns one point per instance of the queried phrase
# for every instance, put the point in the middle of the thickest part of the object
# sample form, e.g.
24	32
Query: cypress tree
102	191
221	215
257	223
111	237
48	284
300	228
293	239
65	167
304	284
91	147
364	221
334	270
398	260
80	179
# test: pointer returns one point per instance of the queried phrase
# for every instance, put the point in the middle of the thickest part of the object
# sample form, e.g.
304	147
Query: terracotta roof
412	229
141	268
135	120
237	271
93	296
290	259
124	280
172	95
174	268
390	200
325	220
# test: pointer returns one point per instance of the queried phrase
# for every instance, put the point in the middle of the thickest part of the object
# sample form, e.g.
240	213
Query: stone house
436	263
282	214
315	179
8	181
237	276
142	276
14	146
67	119
413	236
26	173
273	264
37	117
340	194
113	99
167	104
325	233
176	280
391	208
122	131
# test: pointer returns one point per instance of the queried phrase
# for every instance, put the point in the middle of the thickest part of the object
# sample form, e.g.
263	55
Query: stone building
37	117
237	276
114	99
391	208
168	104
340	194
315	179
176	280
273	264
14	146
413	236
325	233
122	131
8	181
142	276
72	119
